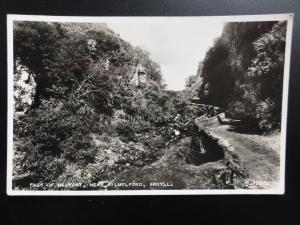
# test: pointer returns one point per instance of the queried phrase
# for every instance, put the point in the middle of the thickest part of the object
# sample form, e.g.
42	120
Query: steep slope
85	118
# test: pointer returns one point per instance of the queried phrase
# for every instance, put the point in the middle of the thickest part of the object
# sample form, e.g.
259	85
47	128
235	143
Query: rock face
24	89
140	76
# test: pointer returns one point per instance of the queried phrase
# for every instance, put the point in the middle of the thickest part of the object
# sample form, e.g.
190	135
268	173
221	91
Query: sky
177	45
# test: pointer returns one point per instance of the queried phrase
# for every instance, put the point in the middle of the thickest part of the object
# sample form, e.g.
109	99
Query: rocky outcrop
139	76
24	89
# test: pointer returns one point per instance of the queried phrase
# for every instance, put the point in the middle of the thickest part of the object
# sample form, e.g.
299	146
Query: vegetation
89	106
81	91
243	73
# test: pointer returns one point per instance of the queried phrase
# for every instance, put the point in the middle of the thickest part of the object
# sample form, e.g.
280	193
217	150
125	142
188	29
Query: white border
271	17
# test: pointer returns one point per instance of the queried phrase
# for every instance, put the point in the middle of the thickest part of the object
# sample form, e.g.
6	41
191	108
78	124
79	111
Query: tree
243	72
216	73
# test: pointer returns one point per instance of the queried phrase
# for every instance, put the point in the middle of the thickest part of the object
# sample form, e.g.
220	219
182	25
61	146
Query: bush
79	149
265	115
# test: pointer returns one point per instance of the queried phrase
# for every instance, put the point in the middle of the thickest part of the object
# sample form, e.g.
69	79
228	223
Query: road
258	153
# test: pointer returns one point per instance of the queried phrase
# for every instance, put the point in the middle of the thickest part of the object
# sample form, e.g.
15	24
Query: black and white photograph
147	105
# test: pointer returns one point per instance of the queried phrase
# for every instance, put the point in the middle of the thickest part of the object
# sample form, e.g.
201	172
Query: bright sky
178	46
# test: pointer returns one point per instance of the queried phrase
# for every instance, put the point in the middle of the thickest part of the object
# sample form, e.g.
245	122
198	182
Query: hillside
91	112
87	104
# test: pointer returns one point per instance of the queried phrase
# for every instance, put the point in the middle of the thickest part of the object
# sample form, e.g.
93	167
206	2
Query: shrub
79	149
265	115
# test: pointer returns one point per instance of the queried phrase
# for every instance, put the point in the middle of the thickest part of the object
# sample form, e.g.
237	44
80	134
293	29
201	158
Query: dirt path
259	157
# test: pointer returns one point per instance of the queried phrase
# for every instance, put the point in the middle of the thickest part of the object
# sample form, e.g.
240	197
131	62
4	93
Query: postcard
147	105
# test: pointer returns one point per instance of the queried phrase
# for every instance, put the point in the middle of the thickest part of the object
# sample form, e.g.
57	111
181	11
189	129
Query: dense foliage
243	72
88	105
83	119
